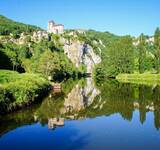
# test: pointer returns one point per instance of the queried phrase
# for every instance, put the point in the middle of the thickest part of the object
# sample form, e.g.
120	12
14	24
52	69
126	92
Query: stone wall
55	28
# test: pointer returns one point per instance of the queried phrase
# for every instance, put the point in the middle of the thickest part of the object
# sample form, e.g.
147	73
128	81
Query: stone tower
55	28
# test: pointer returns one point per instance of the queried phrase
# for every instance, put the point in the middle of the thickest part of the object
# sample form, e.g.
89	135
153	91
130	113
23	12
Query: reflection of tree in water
114	98
124	99
120	99
142	103
149	100
14	120
82	99
156	102
50	108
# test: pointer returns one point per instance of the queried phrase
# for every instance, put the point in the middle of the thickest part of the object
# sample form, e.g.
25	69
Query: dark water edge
83	116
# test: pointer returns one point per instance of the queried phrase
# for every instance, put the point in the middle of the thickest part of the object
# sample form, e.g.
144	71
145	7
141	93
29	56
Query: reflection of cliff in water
81	99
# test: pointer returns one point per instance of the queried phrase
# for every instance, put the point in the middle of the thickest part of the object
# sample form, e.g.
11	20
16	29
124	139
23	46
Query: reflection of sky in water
101	133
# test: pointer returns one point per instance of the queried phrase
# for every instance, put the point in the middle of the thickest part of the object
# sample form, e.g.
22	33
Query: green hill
105	37
8	26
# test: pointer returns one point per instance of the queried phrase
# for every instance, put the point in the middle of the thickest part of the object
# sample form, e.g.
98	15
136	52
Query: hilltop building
55	28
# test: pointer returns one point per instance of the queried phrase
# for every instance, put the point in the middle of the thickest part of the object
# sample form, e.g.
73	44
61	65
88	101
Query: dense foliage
45	57
142	53
17	90
120	57
157	49
127	54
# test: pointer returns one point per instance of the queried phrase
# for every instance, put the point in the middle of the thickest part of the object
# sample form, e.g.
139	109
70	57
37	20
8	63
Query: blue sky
117	16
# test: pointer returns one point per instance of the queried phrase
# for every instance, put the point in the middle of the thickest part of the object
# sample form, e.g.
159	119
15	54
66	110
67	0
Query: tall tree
142	53
49	63
157	49
120	57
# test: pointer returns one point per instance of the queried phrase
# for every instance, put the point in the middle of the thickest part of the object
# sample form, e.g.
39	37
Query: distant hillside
105	37
8	26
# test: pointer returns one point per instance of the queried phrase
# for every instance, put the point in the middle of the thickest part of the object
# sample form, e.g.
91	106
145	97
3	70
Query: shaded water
113	116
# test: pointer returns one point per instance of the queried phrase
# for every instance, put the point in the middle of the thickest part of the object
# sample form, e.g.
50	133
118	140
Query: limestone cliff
80	53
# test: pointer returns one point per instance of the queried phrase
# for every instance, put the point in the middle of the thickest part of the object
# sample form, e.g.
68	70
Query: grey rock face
78	53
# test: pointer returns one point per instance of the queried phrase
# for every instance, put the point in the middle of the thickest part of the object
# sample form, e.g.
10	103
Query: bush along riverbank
20	90
145	78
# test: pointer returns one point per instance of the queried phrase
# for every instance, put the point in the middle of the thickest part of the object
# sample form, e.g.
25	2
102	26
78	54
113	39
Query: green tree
24	52
11	50
49	63
142	53
120	57
157	49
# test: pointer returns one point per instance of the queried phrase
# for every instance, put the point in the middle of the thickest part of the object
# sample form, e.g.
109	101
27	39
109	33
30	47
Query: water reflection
60	106
125	98
82	99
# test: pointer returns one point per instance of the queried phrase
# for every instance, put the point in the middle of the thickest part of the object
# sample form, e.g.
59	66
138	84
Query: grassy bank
145	78
18	90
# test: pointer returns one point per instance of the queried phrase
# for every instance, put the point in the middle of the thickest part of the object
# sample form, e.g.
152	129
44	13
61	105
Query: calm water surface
113	116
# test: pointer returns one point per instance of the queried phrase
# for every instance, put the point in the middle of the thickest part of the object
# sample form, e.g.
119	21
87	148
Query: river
82	116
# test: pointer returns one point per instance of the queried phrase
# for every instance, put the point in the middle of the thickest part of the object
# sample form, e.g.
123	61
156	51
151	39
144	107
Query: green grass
145	78
18	90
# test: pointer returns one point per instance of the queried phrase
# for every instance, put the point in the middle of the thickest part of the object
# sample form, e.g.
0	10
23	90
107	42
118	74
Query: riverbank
145	78
20	90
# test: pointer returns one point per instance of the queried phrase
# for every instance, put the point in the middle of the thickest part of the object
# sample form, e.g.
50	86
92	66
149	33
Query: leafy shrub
17	90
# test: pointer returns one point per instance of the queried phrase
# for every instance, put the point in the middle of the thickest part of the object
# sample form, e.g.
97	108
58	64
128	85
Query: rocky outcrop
91	59
80	53
74	51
